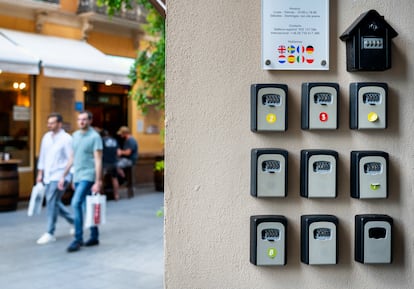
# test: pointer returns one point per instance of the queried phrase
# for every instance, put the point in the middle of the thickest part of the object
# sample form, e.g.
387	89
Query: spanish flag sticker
291	59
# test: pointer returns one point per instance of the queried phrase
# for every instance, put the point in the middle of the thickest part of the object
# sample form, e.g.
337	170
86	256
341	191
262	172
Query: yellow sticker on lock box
372	117
271	118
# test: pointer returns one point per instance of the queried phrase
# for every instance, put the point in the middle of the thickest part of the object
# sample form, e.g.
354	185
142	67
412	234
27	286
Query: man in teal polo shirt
87	175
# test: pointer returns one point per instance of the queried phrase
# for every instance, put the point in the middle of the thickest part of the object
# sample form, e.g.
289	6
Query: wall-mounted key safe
268	172
268	240
268	107
373	239
320	105
368	105
369	174
318	173
368	43
319	240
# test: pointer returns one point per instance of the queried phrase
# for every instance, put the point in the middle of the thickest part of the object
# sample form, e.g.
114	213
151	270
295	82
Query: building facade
66	56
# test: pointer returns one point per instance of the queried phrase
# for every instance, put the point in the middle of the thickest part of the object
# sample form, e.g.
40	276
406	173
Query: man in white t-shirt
55	149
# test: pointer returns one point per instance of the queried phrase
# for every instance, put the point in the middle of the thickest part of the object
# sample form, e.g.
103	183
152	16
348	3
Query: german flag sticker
309	49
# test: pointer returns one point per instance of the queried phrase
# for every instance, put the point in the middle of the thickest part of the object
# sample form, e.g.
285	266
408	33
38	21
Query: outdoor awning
16	59
68	58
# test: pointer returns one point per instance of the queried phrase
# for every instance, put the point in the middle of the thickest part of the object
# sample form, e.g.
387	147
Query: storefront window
15	112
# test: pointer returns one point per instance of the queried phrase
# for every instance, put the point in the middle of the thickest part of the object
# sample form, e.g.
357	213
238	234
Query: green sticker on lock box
375	186
271	252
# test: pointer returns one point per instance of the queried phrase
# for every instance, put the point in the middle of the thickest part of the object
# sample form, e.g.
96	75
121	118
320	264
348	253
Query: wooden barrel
9	186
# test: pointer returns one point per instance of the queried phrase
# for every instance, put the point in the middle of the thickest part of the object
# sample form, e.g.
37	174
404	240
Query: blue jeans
55	206
82	189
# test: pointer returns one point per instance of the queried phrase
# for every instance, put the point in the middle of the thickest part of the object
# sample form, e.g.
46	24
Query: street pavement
130	253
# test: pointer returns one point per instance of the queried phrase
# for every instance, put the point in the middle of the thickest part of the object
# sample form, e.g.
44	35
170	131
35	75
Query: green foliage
147	75
160	212
114	5
149	70
159	166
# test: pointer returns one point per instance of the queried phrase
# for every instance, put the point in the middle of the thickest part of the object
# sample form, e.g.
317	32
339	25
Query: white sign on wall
21	113
295	34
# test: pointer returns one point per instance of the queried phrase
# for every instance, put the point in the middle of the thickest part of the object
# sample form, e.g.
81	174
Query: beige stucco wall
213	55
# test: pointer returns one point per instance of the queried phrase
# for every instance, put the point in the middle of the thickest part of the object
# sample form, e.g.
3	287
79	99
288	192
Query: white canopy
66	58
16	59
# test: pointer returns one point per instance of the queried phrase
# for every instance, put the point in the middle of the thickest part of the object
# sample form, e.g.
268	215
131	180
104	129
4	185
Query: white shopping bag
95	210
36	200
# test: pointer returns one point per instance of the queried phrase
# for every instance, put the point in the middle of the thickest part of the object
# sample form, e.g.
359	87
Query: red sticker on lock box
323	116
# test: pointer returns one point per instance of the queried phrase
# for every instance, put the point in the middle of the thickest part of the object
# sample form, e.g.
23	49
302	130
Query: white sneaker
72	231
46	238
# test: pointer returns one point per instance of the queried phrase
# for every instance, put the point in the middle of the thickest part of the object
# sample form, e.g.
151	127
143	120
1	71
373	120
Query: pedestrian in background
128	155
55	151
87	175
110	159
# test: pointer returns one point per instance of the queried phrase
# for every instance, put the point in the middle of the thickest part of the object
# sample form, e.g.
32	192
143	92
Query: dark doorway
108	105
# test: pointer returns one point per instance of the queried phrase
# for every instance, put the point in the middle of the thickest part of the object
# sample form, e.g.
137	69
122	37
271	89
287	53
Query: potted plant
159	175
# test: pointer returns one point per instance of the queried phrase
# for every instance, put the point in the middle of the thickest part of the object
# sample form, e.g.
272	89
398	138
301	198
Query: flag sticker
309	49
300	59
291	49
296	54
281	49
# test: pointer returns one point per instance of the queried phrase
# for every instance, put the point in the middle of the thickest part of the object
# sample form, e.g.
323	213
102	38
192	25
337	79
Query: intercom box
368	105
369	174
373	239
269	107
269	172
318	173
268	242
320	102
319	239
